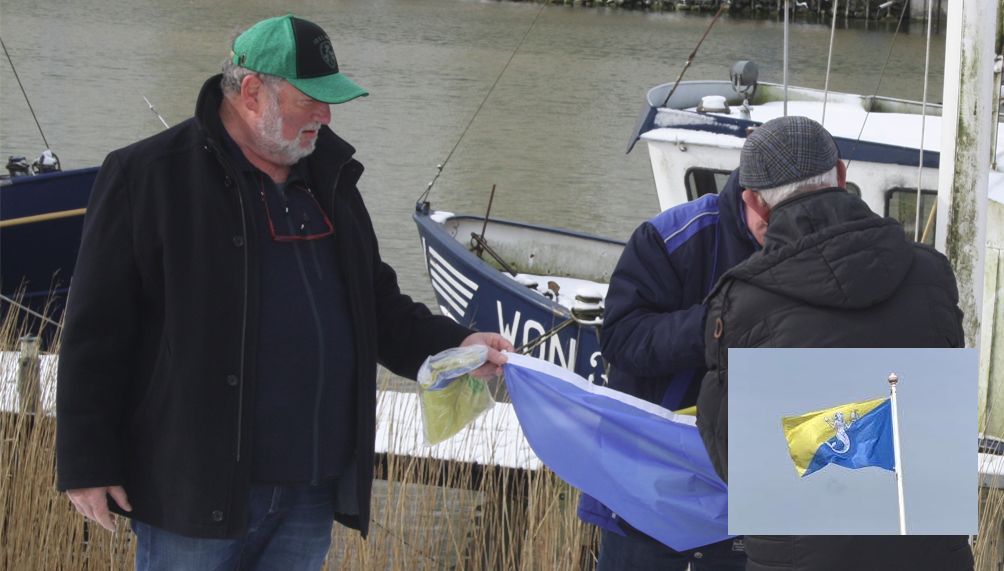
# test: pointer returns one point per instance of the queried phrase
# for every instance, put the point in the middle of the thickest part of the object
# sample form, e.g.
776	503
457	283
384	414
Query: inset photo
853	441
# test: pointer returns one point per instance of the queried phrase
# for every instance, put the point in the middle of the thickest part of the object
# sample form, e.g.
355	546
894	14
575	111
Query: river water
551	135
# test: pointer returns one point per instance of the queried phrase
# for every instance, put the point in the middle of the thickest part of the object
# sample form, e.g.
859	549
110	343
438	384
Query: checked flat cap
786	150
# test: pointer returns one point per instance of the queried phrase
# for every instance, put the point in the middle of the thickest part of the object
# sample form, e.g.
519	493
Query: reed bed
39	529
427	513
988	544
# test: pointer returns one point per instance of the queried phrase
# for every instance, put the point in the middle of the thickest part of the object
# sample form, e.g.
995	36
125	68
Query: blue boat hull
39	256
477	295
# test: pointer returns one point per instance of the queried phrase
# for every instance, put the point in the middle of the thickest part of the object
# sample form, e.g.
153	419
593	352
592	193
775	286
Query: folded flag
642	461
854	435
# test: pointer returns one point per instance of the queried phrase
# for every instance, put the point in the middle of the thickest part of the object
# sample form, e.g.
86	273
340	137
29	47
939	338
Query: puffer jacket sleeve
98	349
713	399
647	331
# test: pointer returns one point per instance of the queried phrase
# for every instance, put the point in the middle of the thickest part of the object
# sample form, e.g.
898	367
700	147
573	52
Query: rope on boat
888	57
530	346
923	125
30	311
439	167
829	59
23	92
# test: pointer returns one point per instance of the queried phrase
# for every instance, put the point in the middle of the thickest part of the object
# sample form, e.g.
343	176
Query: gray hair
233	74
772	196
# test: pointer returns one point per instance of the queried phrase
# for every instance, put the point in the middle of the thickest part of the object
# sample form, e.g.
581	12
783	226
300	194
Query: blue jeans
638	552
289	529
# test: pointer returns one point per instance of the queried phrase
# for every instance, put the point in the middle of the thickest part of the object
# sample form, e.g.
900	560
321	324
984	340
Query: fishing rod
23	92
439	168
154	111
693	54
652	107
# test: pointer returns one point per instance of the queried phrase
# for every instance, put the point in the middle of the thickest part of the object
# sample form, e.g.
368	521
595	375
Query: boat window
853	189
704	181
901	204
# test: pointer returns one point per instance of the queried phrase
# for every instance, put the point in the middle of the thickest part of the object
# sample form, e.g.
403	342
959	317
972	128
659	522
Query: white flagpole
893	379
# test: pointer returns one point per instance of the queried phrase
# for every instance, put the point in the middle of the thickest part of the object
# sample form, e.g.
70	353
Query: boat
542	288
40	229
694	134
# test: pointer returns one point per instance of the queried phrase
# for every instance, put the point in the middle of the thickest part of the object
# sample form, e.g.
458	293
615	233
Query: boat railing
689	94
548	252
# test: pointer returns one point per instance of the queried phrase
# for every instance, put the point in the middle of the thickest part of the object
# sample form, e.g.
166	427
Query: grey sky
938	435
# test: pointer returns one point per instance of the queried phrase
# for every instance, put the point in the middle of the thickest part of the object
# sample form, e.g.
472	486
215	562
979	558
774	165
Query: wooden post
965	152
28	376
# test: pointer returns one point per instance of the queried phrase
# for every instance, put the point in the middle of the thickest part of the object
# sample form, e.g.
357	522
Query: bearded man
217	375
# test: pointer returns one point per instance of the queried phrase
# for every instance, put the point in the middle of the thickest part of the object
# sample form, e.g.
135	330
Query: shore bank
807	10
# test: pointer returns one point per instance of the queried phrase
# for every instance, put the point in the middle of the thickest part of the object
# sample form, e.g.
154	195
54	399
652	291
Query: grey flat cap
786	150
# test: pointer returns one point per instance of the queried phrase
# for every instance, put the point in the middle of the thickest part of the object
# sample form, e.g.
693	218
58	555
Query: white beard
283	151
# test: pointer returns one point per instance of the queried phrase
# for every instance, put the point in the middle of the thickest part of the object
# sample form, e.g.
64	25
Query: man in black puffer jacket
831	274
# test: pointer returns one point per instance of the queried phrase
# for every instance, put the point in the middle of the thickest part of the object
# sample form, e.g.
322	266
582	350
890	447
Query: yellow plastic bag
451	397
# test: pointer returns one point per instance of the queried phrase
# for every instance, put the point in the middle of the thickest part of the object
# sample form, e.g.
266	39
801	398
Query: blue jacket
653	325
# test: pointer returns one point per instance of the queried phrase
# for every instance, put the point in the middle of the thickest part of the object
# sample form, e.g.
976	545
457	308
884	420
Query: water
551	135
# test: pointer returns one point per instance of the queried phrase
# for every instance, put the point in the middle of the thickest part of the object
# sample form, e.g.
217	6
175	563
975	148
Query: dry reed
427	513
988	544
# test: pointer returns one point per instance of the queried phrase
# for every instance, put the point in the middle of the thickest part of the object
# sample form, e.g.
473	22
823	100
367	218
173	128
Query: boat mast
784	72
965	151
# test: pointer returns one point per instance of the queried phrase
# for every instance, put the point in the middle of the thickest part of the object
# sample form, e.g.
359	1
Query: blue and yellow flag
645	463
854	435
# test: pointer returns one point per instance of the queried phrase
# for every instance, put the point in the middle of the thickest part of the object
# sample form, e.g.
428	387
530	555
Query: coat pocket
156	383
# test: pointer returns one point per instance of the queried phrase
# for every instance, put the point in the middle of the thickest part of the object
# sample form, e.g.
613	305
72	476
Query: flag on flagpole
642	461
854	435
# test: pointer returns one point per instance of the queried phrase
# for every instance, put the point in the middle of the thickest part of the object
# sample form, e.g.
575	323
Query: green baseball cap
299	52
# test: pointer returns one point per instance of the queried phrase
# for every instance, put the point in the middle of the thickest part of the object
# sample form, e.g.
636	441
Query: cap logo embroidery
328	53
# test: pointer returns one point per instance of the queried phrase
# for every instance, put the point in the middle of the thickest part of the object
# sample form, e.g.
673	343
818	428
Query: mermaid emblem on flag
837	423
852	435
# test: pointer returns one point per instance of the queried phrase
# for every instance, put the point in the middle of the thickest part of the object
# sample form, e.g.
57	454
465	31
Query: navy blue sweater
653	325
304	401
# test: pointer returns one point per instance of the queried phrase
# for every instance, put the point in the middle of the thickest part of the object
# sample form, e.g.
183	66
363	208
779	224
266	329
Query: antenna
26	100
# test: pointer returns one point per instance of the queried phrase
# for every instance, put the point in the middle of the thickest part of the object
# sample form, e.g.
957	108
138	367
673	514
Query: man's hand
496	344
93	503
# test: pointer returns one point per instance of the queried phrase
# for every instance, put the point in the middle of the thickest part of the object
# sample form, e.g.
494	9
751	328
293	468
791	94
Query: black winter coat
156	373
832	274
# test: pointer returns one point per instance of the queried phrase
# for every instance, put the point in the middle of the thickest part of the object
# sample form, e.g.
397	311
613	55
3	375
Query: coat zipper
244	322
319	330
244	308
